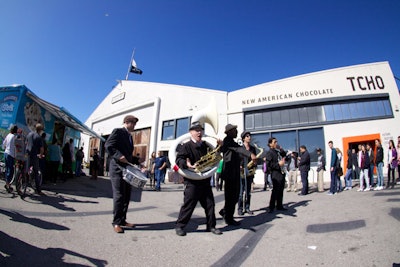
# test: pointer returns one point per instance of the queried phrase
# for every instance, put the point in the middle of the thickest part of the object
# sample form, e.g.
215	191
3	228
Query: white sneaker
367	189
360	190
345	189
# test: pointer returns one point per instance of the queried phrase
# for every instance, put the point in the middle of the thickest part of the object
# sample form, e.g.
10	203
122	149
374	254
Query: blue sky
72	52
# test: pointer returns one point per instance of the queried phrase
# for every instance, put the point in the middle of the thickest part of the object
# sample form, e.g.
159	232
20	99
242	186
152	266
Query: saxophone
251	166
208	161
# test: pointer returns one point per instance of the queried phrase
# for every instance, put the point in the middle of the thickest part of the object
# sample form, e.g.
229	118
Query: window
172	129
168	130
325	113
292	140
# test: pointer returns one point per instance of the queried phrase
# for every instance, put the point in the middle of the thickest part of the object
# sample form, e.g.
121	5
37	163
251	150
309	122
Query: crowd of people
45	162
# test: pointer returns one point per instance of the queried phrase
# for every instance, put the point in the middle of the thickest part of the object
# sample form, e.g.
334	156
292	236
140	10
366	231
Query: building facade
349	106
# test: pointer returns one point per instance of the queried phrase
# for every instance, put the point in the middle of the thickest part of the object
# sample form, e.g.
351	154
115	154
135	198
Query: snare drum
133	176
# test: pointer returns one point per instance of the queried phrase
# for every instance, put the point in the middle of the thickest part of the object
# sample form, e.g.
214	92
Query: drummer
119	147
195	190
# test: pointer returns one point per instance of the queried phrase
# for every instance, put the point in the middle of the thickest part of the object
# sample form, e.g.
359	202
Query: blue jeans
304	181
78	168
334	179
348	178
380	174
9	167
371	174
160	176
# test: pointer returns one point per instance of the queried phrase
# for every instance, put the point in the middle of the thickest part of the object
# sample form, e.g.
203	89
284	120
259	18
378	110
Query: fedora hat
230	127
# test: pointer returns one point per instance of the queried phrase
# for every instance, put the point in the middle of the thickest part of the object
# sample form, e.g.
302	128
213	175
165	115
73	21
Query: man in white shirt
9	156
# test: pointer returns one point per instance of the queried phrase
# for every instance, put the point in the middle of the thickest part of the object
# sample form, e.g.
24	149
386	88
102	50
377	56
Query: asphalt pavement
71	226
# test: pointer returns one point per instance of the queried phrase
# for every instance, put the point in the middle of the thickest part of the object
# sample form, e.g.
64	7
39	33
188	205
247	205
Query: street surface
71	226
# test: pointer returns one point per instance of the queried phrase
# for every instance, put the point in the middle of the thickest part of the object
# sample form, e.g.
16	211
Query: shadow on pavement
15	252
16	217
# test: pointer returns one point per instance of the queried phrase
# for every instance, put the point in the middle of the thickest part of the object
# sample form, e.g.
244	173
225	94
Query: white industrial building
349	105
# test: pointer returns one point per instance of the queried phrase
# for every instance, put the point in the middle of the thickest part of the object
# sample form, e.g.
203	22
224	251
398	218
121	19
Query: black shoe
8	188
240	212
179	231
222	213
215	231
232	222
281	209
249	212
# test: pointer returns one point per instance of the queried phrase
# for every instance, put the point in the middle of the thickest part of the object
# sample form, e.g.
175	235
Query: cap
229	127
243	135
195	126
130	118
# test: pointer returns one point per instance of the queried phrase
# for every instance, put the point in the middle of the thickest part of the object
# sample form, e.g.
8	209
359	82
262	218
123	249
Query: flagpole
130	65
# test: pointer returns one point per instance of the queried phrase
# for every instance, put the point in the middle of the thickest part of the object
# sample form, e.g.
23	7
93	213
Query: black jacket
304	164
118	145
379	155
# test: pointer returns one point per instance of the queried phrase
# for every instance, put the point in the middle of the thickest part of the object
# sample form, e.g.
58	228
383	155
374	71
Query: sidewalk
71	226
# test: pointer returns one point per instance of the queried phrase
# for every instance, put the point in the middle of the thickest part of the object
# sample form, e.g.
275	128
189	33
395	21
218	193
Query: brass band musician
246	177
195	190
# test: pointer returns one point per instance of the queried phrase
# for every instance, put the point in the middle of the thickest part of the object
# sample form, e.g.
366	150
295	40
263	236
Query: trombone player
195	190
247	176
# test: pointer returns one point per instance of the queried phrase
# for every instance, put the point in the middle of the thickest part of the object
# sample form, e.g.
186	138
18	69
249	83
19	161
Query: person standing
292	167
150	169
246	178
371	165
218	179
35	150
160	168
320	170
79	155
379	165
364	163
354	161
96	164
391	163
9	156
195	190
119	146
333	187
67	161
232	153
339	169
349	172
42	161
275	159
54	153
304	167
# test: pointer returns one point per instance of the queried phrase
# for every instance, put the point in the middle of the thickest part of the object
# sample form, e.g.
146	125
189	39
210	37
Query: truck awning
64	116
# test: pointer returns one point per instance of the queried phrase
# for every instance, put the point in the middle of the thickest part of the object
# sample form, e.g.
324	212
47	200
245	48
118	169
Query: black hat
230	127
130	118
243	135
196	126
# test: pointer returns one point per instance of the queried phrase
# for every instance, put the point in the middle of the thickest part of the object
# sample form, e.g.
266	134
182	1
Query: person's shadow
15	252
15	216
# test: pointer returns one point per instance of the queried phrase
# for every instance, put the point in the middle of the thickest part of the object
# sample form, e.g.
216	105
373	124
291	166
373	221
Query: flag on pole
134	68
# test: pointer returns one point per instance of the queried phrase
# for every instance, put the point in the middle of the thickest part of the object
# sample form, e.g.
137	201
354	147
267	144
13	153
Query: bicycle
25	180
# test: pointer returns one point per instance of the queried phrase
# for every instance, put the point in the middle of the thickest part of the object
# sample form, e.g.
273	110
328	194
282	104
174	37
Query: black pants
304	181
121	197
278	182
197	191
245	187
231	192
